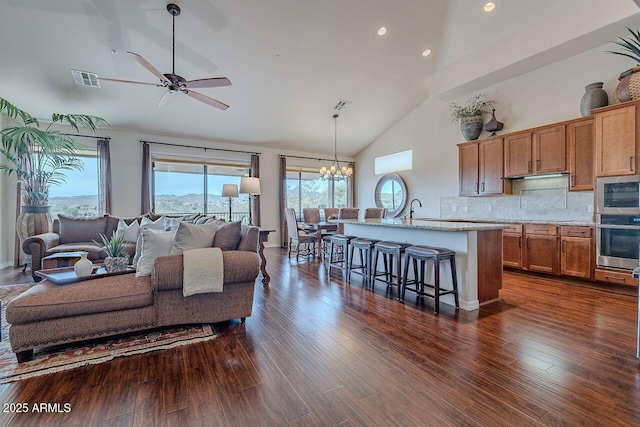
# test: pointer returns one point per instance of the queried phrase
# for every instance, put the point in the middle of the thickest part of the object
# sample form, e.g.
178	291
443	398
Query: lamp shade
229	190
250	185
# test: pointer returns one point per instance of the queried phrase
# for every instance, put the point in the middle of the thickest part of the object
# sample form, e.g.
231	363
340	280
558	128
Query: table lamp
250	186
229	190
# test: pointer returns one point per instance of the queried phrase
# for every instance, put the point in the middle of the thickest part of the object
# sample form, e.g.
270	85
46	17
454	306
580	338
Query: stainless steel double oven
618	222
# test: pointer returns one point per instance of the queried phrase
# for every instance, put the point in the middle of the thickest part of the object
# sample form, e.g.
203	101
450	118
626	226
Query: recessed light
382	31
426	52
489	7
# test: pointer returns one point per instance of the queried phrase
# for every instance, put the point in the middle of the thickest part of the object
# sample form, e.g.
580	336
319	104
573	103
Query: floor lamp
250	186
229	190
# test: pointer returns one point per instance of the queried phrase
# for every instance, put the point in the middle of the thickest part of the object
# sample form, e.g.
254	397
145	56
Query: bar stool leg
374	269
436	284
454	278
398	275
351	251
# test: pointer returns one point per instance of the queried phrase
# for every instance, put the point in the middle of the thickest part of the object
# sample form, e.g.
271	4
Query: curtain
17	249
284	238
104	176
145	203
255	206
351	187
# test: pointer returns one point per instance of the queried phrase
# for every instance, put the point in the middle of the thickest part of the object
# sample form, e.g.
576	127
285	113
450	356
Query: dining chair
311	215
346	213
330	213
374	213
300	240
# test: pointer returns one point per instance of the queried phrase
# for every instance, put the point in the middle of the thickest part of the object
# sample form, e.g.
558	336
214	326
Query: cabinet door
581	148
541	254
517	155
550	149
616	141
576	257
512	250
491	166
468	169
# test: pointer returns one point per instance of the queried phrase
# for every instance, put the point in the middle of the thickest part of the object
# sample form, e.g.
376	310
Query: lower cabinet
615	277
512	246
576	252
541	249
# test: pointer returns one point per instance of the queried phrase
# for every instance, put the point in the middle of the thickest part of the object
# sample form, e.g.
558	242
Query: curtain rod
142	141
316	158
87	136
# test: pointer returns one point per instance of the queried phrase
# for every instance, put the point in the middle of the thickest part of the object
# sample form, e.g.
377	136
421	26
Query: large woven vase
628	88
34	220
471	127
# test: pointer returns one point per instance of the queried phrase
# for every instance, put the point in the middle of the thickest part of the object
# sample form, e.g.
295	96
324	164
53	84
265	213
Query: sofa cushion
47	301
228	236
81	230
239	266
94	250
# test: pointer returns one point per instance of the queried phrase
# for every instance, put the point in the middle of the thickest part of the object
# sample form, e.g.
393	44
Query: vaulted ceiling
290	61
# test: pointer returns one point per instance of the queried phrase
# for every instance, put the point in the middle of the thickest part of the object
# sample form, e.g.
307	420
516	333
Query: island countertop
423	224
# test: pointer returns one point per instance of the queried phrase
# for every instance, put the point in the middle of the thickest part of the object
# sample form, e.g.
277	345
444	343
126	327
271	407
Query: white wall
543	96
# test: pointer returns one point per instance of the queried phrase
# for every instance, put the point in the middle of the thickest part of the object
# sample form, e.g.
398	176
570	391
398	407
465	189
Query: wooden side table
60	259
264	236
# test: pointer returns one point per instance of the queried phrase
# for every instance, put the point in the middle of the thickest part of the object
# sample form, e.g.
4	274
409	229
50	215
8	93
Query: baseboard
6	264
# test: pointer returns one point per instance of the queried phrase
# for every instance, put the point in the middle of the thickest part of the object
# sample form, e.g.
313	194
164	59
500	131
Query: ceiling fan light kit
173	82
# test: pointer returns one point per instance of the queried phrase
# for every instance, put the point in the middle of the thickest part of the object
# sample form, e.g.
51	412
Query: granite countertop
427	224
510	221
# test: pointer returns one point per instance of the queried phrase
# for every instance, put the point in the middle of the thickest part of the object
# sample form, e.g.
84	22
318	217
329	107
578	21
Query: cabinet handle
476	187
529	166
620	279
537	165
528	242
572	179
519	242
563	244
631	163
483	187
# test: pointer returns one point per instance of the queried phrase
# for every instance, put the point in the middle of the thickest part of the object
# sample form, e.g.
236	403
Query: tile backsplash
543	199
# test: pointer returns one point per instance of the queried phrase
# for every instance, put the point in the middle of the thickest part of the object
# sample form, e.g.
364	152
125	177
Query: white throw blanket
203	271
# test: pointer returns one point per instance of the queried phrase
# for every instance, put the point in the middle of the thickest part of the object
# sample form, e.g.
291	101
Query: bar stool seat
424	254
391	254
338	250
365	251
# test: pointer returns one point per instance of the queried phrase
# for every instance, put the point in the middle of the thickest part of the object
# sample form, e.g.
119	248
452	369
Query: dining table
319	228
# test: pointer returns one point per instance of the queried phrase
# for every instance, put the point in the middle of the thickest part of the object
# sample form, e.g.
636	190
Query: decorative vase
115	264
83	267
31	221
628	88
471	127
493	125
594	97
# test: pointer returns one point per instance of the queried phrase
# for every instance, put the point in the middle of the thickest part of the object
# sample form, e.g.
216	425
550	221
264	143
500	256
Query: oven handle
619	227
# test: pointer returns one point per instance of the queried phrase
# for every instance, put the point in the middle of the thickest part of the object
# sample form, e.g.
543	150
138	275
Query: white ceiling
290	61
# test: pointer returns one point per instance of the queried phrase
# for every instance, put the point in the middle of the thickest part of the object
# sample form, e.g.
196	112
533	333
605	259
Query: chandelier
335	171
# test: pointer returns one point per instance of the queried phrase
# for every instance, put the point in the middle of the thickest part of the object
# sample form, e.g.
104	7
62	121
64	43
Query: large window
78	197
305	189
183	186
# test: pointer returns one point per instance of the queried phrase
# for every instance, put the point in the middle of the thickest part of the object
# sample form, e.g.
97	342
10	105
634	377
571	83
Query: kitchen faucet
411	207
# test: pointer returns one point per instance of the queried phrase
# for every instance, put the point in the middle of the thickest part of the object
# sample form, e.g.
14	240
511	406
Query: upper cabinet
540	151
517	154
581	136
480	167
615	130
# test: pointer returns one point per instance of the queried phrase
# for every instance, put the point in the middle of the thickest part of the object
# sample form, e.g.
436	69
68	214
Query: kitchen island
478	248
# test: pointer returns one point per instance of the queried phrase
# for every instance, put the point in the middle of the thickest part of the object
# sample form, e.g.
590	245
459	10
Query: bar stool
391	254
365	251
338	251
417	285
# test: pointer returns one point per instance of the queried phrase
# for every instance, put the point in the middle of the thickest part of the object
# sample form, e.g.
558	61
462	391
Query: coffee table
67	275
61	259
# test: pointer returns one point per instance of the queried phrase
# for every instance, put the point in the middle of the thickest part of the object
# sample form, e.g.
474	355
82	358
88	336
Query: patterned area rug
56	359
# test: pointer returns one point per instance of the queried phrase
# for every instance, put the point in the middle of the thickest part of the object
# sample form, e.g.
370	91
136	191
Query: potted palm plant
117	259
38	157
470	114
629	81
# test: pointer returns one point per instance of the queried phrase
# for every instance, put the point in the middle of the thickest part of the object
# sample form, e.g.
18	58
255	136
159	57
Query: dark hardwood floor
317	352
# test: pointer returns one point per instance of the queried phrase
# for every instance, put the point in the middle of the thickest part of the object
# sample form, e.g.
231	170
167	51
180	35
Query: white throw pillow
146	223
130	232
190	236
155	243
172	223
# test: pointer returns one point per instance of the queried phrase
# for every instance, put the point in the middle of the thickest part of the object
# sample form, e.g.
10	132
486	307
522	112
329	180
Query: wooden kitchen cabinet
480	167
549	150
541	248
615	131
580	136
517	155
576	251
615	277
512	246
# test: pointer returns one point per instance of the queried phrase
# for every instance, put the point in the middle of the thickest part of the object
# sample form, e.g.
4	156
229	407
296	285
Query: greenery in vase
630	46
114	246
38	157
474	106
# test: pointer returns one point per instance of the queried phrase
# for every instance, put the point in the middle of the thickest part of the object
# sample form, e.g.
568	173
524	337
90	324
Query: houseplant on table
117	259
38	158
470	114
629	81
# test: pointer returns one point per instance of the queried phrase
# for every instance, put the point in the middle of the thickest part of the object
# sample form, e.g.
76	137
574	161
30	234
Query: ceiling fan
172	81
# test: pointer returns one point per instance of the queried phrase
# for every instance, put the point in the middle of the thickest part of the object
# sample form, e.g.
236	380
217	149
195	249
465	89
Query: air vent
341	105
85	78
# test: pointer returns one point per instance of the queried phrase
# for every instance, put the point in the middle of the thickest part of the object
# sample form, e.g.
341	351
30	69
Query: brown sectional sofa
49	314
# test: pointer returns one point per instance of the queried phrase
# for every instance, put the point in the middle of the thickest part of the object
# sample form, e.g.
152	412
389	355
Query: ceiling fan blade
203	98
212	82
166	98
128	81
146	64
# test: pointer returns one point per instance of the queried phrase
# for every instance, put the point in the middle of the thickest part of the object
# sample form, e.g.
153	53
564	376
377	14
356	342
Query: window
78	196
305	189
183	186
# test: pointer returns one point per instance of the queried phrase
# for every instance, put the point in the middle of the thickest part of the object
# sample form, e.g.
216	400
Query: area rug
57	359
